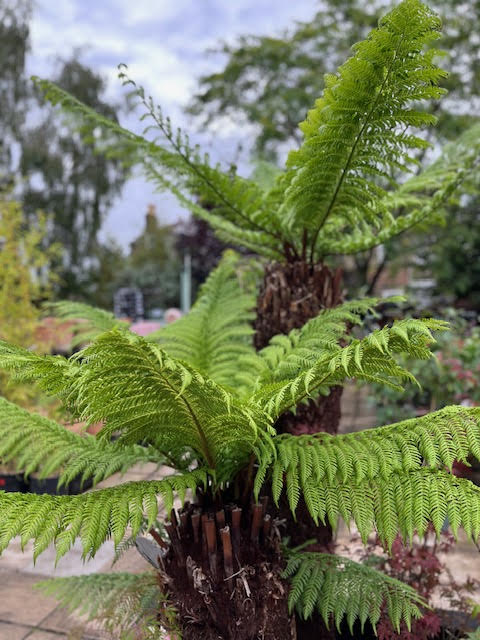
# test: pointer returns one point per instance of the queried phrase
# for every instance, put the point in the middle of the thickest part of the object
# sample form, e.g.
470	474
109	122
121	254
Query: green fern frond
285	355
356	135
421	199
308	464
94	517
236	203
93	321
121	602
400	502
135	388
50	373
217	331
339	588
307	370
36	444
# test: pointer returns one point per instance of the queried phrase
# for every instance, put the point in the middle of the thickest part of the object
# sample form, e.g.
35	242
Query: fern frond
400	502
93	517
120	602
35	443
135	388
417	200
356	135
339	588
236	203
307	465
285	355
306	371
50	373
217	331
93	321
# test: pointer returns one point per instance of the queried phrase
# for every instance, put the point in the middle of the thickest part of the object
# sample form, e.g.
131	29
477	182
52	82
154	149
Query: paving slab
13	631
20	603
72	563
60	621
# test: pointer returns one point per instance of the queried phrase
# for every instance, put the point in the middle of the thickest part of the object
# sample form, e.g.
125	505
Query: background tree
26	281
271	82
71	178
14	36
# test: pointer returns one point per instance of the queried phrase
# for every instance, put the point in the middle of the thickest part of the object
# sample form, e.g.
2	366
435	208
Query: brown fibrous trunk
291	294
222	573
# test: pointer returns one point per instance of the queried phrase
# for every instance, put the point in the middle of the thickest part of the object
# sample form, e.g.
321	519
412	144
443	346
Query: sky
164	44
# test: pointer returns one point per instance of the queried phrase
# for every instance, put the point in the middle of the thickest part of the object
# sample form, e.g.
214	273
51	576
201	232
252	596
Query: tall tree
14	39
69	177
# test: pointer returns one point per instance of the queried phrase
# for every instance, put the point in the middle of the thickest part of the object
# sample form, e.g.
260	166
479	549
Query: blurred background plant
451	378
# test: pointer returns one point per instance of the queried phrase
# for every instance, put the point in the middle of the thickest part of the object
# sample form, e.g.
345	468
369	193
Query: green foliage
450	377
182	396
292	65
338	587
93	517
390	478
217	331
124	603
353	137
304	370
38	444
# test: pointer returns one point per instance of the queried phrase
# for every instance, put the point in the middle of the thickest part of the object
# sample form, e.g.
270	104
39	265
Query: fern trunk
291	294
225	581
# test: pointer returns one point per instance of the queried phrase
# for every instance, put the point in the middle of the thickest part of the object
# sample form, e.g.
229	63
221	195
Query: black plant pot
12	482
47	485
50	485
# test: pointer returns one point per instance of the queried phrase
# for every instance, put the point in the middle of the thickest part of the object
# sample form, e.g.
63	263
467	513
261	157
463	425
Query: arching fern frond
356	135
300	349
400	502
371	359
339	588
306	465
235	203
135	388
93	517
93	320
37	444
122	603
217	331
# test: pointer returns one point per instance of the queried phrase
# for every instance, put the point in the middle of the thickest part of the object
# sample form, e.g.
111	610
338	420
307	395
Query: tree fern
337	587
182	396
339	191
